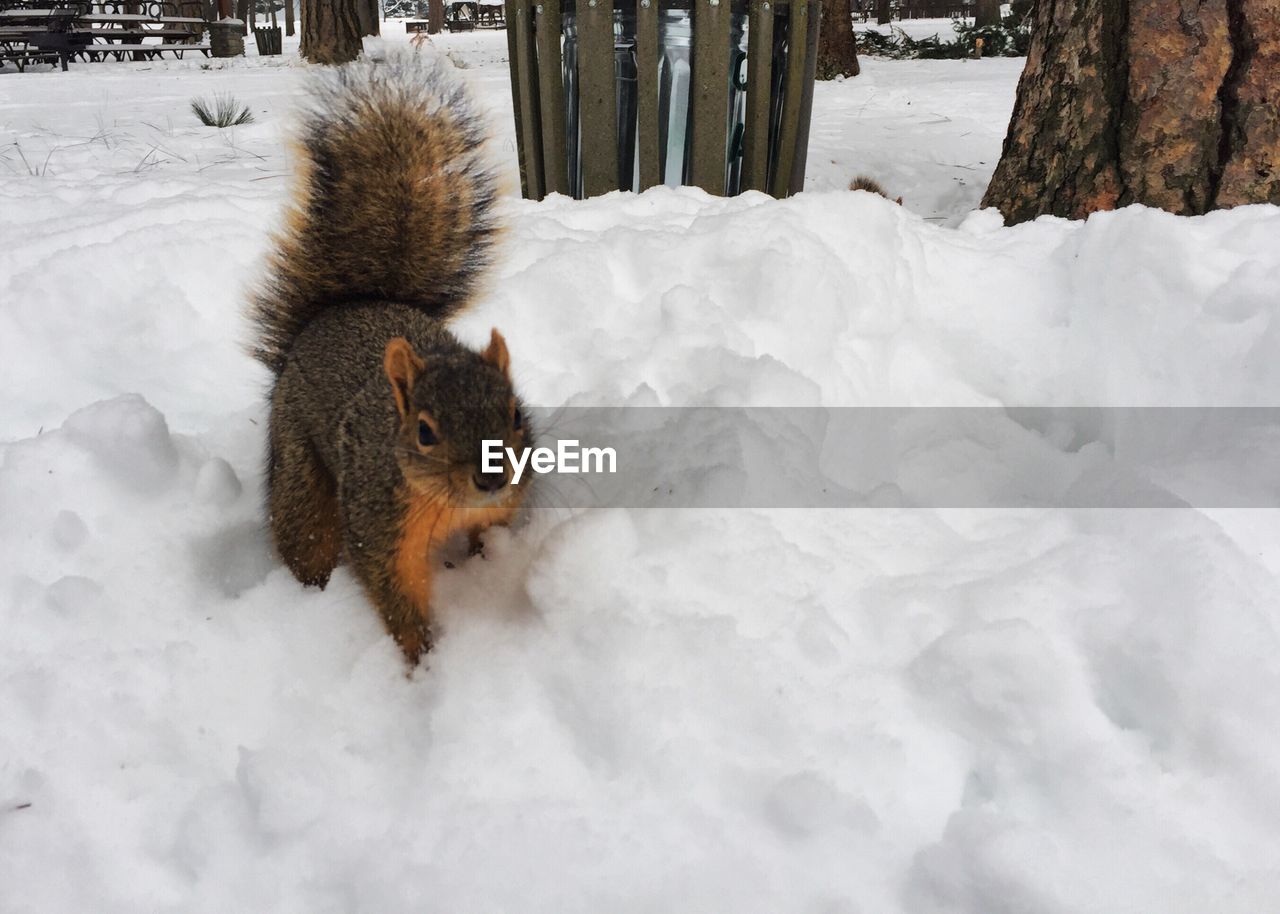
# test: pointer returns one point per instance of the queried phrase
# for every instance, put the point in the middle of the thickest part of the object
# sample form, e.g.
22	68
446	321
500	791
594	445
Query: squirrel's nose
489	482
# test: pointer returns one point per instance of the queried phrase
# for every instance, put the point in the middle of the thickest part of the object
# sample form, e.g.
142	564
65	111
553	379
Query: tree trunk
288	17
330	30
243	11
1168	103
837	48
987	13
369	12
192	9
883	13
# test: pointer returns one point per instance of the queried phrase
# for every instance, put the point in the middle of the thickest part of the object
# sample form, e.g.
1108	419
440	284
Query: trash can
268	41
629	94
226	38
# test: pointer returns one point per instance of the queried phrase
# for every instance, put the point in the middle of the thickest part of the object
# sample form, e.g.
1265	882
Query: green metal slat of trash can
515	93
792	97
755	143
806	103
710	103
547	28
526	64
597	100
647	90
522	103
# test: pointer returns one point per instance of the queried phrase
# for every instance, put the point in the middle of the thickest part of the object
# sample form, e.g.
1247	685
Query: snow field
882	710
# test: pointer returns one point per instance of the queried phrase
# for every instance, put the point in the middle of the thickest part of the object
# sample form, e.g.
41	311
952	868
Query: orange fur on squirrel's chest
427	524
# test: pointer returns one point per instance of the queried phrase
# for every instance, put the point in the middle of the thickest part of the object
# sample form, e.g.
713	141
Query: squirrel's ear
496	355
402	366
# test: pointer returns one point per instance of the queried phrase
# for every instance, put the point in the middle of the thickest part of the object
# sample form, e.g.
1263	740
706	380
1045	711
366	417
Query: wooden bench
100	50
39	32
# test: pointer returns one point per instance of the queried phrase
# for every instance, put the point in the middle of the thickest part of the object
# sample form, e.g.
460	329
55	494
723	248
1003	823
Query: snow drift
806	711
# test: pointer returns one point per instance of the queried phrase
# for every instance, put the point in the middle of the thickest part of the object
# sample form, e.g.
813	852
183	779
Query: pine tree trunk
1168	103
837	48
368	12
192	9
288	17
883	13
987	13
330	30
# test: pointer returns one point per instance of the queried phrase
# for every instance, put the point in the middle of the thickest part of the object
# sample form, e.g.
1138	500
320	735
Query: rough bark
837	48
1167	103
987	13
1250	170
330	30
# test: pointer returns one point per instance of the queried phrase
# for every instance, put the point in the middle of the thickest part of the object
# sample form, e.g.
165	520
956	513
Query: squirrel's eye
518	422
426	437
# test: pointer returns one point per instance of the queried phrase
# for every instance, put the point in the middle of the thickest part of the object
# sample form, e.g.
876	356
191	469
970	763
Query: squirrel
377	412
871	186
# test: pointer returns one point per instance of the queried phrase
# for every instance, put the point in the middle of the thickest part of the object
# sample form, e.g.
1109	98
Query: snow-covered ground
900	709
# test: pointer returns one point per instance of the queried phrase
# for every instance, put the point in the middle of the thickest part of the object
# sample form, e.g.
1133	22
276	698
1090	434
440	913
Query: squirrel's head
449	405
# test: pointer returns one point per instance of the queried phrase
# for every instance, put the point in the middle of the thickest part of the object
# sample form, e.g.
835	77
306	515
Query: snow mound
882	710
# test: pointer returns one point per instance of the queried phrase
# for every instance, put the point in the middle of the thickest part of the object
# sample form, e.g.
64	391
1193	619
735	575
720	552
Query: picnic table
39	32
465	15
142	29
48	30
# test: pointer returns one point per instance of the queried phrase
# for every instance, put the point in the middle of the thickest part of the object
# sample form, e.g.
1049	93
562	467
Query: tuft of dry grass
222	111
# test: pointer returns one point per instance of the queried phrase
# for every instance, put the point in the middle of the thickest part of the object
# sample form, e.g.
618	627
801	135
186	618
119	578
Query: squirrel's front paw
415	642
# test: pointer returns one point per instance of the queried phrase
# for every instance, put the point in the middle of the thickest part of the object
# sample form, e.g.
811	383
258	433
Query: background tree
837	47
331	30
192	9
369	11
288	17
1171	104
987	13
883	13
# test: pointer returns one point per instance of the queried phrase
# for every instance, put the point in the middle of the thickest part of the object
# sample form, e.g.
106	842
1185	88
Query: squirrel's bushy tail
392	204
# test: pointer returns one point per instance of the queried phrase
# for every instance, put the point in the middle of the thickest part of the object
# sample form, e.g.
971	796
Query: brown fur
392	199
871	186
377	411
